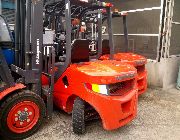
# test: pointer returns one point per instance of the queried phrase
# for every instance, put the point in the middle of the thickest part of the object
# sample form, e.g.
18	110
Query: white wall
163	74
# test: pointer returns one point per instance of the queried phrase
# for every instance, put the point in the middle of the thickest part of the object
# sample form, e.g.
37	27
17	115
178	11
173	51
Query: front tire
21	115
78	116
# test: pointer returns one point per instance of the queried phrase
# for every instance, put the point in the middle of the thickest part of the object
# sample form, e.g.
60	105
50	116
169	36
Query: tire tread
78	116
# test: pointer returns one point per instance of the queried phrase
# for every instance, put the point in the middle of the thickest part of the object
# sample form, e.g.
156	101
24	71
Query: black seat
80	51
105	47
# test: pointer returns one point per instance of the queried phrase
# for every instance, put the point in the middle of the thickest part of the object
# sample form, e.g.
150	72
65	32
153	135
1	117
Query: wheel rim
23	117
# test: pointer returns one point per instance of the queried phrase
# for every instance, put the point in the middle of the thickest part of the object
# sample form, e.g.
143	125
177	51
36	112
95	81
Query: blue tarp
8	5
9	55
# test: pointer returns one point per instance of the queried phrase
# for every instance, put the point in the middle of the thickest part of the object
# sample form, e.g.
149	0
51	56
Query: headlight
114	89
84	1
103	89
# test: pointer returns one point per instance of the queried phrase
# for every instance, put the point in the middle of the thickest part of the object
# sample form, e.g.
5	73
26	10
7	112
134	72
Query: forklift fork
48	71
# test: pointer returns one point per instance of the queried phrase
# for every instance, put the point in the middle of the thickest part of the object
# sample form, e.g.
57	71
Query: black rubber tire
78	116
10	102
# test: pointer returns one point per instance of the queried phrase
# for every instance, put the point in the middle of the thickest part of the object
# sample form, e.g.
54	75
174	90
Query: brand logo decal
37	53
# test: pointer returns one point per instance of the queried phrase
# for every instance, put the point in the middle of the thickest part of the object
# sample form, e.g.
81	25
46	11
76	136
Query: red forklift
138	61
89	89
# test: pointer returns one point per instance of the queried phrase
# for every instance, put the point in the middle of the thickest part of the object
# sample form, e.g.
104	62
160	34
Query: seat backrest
80	51
105	47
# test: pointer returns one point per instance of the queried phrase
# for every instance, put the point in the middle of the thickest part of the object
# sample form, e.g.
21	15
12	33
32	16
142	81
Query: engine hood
107	70
130	58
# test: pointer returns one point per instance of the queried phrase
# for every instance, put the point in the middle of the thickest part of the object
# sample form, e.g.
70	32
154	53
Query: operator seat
80	51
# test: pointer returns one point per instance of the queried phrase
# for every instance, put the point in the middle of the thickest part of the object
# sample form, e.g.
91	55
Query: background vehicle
136	60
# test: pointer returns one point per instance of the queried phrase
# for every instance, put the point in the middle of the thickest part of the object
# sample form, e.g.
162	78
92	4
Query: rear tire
78	116
21	115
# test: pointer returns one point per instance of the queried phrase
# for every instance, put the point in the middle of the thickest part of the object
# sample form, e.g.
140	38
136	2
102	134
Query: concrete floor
158	119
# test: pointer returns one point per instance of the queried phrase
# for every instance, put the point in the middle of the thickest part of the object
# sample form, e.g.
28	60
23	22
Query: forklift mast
29	30
125	30
33	58
96	18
